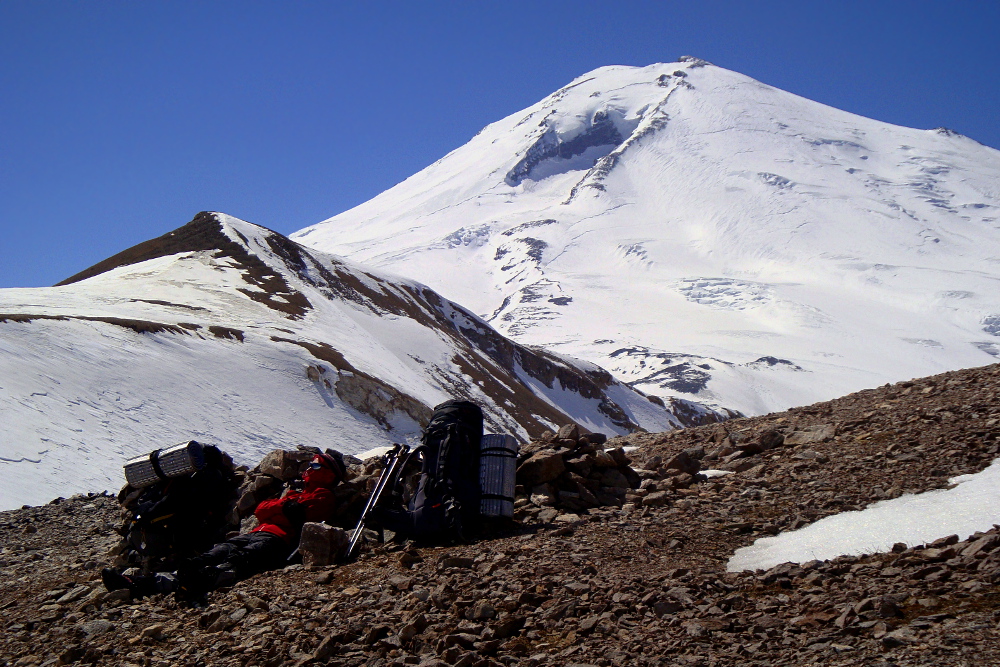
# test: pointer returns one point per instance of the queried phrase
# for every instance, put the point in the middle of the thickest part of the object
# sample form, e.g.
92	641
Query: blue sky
121	120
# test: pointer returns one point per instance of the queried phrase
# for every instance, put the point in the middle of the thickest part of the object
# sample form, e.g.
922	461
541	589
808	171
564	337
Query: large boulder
614	478
596	439
569	432
321	544
764	441
541	467
285	465
683	462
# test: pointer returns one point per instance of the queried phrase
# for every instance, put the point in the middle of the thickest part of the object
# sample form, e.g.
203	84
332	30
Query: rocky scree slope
640	584
229	333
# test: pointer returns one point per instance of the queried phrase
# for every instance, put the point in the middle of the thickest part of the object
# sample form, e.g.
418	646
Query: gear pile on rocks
635	583
322	544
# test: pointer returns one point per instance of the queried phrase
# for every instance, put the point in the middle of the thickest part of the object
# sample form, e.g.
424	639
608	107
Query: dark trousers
246	555
223	565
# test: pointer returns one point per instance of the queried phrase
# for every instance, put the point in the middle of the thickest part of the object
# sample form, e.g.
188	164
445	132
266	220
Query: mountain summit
704	235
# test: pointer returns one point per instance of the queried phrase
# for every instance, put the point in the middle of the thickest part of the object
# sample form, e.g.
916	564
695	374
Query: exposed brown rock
321	544
541	467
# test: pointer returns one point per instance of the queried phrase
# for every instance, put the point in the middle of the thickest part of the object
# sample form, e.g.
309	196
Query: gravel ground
636	584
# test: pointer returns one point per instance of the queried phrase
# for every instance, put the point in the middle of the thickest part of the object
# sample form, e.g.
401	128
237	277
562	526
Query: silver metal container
182	459
497	469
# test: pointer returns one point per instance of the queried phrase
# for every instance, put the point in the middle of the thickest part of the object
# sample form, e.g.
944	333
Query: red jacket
284	516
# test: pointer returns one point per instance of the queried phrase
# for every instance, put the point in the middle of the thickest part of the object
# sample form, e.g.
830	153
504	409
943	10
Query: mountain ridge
230	333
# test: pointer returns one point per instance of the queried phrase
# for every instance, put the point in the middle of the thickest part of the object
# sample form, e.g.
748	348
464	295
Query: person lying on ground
268	547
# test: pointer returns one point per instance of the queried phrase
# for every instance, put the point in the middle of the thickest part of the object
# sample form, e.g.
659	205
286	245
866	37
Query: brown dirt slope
636	585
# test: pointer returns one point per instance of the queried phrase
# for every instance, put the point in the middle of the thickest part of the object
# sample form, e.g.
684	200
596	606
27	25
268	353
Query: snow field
82	394
970	506
89	396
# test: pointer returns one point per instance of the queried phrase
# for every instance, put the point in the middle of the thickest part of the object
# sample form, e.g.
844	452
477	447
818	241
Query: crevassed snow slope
230	334
704	235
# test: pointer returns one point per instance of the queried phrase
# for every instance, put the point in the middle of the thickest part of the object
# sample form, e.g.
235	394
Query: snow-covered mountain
704	235
230	334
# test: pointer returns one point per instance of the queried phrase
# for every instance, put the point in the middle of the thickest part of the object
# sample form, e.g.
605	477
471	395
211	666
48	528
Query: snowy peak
683	221
561	148
589	124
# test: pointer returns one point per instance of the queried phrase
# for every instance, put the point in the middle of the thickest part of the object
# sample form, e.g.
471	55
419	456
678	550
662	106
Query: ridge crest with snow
228	333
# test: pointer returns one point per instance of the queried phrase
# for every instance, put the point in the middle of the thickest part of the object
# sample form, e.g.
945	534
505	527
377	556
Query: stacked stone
574	472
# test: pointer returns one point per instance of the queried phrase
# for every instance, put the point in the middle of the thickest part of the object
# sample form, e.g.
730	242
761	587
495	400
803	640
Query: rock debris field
632	574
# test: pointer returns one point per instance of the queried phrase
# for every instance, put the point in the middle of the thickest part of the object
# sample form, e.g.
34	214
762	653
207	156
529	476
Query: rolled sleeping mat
182	459
497	474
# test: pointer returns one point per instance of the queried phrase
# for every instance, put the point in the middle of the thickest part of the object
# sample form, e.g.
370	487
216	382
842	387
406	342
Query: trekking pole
393	460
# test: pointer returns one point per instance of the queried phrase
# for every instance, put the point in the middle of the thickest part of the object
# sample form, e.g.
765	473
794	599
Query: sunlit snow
973	505
733	222
79	393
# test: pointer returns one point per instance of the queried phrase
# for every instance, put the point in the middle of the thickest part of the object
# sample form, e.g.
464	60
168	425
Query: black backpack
178	517
447	495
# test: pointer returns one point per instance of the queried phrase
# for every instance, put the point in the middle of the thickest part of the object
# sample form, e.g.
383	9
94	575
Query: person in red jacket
267	547
285	516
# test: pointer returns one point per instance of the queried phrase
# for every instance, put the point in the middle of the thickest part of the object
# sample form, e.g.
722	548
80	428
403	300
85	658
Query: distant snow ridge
228	333
696	213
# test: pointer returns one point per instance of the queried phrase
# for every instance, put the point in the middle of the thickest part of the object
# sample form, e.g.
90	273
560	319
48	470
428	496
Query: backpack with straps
178	517
448	494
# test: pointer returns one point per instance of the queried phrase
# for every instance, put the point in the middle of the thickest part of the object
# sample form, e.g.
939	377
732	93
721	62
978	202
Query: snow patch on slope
972	505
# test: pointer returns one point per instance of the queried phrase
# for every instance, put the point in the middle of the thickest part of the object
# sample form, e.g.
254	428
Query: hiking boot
114	580
193	585
191	598
139	586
